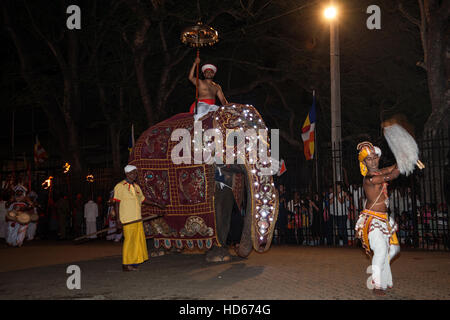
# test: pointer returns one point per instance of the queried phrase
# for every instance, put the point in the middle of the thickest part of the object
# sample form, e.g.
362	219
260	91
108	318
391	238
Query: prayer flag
308	131
40	155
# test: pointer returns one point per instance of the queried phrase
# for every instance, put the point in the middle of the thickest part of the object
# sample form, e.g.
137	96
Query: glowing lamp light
330	13
90	178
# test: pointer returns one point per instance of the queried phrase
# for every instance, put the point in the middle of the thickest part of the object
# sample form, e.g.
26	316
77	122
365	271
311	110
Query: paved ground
38	271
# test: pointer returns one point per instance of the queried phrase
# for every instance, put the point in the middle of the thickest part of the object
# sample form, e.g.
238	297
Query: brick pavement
284	272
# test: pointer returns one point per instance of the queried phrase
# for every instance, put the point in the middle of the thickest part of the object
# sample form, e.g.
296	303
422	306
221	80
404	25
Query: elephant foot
218	254
158	253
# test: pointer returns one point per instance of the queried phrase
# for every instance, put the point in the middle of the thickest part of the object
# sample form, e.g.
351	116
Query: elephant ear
262	198
238	189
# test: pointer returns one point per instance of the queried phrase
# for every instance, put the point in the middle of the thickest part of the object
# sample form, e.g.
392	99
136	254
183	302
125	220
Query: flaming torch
66	167
47	183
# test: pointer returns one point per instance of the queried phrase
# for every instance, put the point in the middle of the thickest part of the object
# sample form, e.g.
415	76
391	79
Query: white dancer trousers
31	231
16	233
383	253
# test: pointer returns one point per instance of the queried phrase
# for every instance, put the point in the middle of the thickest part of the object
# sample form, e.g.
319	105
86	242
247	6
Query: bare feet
379	292
129	268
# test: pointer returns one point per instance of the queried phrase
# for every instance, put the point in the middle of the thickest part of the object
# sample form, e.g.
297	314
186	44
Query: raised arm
389	169
379	179
192	77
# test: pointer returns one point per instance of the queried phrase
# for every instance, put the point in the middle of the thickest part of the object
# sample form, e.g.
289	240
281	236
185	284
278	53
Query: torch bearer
198	36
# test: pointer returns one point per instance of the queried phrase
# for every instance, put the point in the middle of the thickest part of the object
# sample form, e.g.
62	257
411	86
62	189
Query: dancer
374	228
17	230
32	226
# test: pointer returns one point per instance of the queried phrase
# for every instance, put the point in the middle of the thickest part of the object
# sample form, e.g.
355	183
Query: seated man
207	90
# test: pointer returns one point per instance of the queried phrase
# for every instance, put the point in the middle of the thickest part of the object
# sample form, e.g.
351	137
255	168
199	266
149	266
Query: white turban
130	168
209	66
20	187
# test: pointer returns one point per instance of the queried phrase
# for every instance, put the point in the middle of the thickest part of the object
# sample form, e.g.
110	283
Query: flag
282	168
40	155
131	141
308	131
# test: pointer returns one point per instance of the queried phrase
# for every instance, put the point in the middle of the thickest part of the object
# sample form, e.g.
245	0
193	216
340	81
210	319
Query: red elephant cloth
187	190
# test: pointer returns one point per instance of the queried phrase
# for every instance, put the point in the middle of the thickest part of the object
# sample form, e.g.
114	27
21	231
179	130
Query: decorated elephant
198	204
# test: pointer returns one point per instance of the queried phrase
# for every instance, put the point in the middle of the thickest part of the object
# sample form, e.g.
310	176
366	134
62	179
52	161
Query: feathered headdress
365	149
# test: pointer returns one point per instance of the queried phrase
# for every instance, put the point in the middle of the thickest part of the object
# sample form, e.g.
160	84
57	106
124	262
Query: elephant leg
224	200
153	252
246	244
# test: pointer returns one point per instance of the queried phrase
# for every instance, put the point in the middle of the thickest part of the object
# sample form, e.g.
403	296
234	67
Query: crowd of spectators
62	217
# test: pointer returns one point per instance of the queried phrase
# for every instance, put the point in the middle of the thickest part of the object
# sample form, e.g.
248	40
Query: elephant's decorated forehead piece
365	149
129	168
210	67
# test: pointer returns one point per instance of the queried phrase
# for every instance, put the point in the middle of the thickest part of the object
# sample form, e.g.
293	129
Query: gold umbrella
198	36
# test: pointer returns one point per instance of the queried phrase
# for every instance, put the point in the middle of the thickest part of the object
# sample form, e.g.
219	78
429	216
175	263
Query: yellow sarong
134	245
381	216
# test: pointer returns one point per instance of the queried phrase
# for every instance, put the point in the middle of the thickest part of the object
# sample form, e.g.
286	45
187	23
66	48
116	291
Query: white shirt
357	193
91	211
337	208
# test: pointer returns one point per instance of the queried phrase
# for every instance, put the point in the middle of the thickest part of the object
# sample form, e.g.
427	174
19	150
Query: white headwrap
130	168
20	187
209	66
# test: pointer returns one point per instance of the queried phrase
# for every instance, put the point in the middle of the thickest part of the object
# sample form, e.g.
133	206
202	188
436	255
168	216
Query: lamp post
331	15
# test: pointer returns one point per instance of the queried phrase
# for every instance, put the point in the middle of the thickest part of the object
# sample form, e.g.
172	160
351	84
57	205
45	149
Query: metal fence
418	203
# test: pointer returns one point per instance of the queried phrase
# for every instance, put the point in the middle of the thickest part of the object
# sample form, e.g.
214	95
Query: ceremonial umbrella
198	36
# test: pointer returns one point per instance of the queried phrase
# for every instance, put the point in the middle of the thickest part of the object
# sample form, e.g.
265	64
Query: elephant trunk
246	243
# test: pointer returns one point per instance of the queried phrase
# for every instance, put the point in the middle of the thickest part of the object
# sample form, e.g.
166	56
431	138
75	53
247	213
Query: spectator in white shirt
90	215
339	209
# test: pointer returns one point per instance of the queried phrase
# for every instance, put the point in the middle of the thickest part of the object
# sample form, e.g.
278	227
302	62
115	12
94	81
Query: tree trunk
139	61
72	102
436	48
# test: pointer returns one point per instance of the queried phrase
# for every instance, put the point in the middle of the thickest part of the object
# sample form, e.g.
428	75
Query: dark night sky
378	72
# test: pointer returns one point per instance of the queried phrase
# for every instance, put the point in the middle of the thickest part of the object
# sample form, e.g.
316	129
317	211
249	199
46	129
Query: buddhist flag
40	155
282	168
308	131
131	141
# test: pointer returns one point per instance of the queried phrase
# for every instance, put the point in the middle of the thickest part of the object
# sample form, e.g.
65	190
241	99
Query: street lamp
330	14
